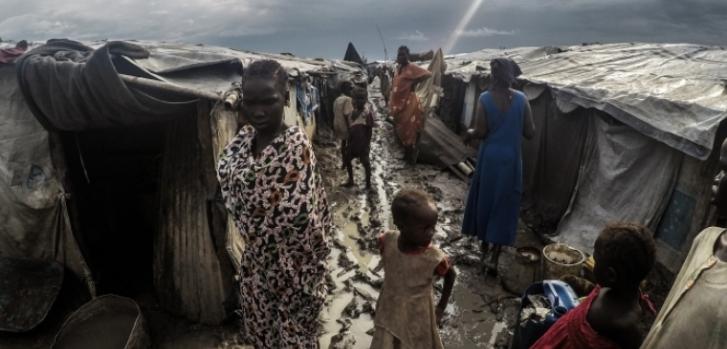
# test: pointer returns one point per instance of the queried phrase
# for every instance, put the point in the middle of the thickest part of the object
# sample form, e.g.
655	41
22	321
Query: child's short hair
359	93
406	202
627	248
345	86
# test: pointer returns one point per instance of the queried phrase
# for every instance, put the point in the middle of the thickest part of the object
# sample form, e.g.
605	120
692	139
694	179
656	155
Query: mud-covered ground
481	313
165	331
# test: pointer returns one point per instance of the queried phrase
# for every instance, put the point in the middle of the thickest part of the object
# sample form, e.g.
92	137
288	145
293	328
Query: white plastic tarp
624	177
674	93
34	220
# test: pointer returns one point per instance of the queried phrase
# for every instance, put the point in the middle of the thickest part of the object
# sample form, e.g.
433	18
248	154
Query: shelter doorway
115	176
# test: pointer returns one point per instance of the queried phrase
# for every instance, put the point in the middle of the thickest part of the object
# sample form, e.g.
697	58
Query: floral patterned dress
279	205
404	105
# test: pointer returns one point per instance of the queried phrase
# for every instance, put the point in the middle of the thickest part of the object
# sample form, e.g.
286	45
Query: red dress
572	331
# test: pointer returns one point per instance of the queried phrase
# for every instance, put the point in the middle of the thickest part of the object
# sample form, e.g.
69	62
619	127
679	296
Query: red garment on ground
572	331
404	105
8	55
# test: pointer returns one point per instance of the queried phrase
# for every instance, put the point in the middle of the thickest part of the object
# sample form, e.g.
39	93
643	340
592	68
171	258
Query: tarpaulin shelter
625	132
116	181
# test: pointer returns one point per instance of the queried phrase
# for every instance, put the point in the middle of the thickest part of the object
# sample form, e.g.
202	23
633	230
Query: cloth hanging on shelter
625	177
551	161
34	220
308	100
430	91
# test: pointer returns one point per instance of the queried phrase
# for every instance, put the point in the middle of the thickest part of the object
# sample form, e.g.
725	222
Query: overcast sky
322	28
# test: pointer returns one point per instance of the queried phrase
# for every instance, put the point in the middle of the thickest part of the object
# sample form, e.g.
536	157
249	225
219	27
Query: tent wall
584	169
188	269
450	108
35	221
551	162
673	93
293	118
625	177
688	210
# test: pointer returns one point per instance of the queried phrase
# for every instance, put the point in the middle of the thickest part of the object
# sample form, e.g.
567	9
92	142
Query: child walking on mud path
360	130
405	313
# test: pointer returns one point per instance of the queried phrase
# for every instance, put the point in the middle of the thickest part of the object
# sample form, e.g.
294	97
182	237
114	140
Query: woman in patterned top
271	188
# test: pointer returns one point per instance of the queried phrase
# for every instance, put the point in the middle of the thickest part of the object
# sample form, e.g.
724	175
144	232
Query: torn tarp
623	178
72	87
34	217
438	145
551	161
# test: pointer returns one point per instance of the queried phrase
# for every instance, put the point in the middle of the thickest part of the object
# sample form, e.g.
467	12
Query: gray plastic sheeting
623	178
673	93
33	217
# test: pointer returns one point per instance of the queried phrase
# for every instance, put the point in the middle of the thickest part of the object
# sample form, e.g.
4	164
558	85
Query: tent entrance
115	176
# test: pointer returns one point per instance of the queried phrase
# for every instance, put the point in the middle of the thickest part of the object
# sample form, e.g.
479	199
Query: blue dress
493	203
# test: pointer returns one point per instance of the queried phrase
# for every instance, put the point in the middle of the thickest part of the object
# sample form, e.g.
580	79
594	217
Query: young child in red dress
609	318
405	313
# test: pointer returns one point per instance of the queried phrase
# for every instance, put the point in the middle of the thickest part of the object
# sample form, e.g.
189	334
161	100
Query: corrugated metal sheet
187	272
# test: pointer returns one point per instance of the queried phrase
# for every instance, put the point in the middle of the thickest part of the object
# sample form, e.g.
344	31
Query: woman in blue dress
503	117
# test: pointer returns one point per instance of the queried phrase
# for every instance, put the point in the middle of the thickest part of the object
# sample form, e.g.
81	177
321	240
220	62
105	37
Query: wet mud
481	313
105	331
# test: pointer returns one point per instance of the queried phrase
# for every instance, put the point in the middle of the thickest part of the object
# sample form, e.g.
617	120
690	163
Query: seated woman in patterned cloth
271	188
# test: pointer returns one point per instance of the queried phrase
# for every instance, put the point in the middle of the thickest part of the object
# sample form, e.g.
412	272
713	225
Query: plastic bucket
519	268
106	322
560	260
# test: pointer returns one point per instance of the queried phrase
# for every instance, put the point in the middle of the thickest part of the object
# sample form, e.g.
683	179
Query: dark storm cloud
322	28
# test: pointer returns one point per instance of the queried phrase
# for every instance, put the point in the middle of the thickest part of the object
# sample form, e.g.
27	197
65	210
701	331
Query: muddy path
481	313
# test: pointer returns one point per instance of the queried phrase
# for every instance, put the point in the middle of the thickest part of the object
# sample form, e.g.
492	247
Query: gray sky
322	28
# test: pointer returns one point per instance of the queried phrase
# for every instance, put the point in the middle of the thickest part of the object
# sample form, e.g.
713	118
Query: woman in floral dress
272	190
